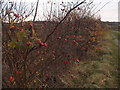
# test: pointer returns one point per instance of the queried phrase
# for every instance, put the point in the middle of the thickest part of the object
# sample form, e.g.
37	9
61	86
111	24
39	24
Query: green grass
116	34
99	73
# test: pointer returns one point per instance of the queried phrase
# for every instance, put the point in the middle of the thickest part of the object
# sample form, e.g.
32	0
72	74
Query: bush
30	61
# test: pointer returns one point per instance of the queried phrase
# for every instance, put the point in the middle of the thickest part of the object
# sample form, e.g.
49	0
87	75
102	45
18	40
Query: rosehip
77	61
41	43
45	23
27	43
65	39
46	75
73	41
64	62
16	15
53	55
12	27
44	44
74	36
31	25
67	36
53	51
10	78
22	30
16	72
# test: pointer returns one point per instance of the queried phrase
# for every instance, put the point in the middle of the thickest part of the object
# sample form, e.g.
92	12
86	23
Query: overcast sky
108	13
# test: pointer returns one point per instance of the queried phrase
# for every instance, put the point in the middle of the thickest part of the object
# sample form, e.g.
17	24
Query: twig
63	20
102	7
36	10
34	48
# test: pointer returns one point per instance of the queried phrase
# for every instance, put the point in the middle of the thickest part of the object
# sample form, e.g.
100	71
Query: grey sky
108	13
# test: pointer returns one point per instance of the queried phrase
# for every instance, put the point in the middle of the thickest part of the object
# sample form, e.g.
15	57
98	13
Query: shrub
30	59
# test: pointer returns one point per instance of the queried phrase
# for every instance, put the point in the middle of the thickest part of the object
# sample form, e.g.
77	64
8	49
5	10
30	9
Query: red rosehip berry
27	43
31	25
77	61
42	25
73	41
16	72
44	44
74	36
67	36
53	55
46	75
45	23
65	62
22	30
53	51
10	78
12	27
40	43
16	15
65	39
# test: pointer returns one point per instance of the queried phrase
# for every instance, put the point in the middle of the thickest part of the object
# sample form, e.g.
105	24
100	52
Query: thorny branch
34	48
63	20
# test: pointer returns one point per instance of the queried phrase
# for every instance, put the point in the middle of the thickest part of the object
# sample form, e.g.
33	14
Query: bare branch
34	48
102	7
36	10
63	19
